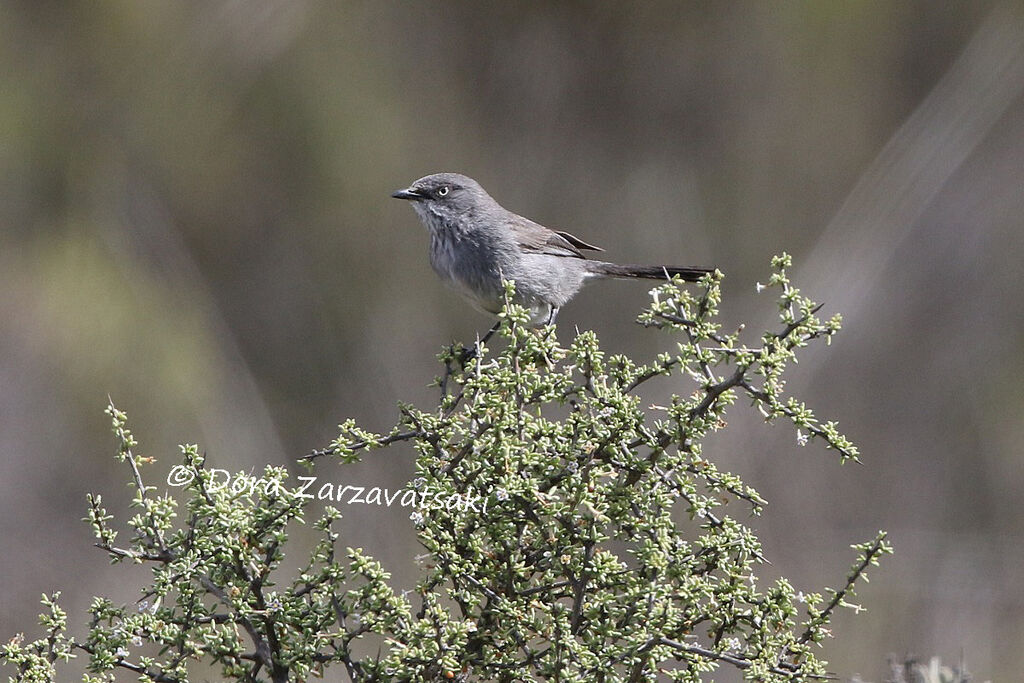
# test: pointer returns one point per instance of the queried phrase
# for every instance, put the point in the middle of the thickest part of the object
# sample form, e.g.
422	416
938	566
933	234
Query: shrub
568	534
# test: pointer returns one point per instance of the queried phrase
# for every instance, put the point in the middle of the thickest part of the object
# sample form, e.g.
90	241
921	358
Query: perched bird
475	243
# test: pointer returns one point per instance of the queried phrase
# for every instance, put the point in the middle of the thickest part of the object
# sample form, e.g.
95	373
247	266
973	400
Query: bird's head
445	196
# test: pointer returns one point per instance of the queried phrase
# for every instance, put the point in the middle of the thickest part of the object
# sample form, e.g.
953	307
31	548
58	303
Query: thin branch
359	445
876	549
716	390
738	661
651	373
813	428
156	675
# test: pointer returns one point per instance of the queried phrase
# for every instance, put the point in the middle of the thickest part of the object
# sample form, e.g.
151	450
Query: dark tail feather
651	272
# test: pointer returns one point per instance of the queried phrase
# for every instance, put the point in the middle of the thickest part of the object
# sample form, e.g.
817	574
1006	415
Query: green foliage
608	548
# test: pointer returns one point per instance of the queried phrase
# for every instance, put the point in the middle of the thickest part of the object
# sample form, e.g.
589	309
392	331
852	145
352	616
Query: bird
475	243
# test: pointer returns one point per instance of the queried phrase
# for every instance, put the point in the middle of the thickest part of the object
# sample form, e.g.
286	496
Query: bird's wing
576	241
533	237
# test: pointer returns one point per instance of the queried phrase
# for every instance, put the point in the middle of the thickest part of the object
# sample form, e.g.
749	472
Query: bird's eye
443	190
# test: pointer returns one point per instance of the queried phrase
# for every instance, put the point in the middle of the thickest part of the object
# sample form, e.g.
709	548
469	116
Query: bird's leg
547	330
490	332
469	354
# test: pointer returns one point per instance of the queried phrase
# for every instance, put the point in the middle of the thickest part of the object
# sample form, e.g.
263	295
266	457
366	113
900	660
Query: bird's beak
411	193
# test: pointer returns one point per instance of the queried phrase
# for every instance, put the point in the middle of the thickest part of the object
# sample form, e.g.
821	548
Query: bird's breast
468	265
444	254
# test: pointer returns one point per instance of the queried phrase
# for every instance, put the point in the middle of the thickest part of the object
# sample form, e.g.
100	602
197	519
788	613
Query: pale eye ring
444	190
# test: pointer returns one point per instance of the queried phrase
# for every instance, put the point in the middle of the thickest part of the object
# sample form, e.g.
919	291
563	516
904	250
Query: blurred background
195	220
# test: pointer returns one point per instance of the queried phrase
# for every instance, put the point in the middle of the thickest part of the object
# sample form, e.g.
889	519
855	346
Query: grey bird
475	243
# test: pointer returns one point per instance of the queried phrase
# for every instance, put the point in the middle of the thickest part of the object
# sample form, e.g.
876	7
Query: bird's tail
648	272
